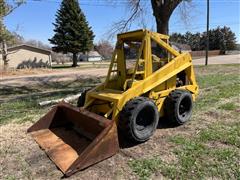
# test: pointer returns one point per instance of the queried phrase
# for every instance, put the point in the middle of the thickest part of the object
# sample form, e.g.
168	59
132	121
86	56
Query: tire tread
125	121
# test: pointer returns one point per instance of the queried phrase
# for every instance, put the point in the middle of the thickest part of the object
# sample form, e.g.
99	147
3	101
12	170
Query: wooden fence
203	53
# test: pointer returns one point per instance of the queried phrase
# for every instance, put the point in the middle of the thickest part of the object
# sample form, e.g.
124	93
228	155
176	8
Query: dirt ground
24	77
24	160
20	72
223	59
21	157
59	76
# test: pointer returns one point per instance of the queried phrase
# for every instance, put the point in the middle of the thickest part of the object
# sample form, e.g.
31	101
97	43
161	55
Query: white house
91	56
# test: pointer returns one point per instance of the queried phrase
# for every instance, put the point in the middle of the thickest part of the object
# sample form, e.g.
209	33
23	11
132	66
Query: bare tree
5	10
162	11
136	9
37	43
105	48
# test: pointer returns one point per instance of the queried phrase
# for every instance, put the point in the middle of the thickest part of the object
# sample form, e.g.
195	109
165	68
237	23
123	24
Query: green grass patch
206	81
228	106
25	107
212	153
228	134
19	111
198	157
145	167
210	98
217	86
10	177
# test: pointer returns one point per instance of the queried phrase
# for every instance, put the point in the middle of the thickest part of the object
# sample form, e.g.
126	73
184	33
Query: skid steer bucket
75	138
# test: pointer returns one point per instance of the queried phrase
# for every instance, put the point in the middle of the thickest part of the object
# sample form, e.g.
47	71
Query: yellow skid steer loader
147	79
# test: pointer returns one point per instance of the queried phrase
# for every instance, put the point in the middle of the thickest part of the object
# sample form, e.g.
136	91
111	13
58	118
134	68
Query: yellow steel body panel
117	89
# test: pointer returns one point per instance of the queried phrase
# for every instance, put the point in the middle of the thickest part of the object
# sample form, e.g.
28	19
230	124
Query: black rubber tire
178	106
81	99
139	119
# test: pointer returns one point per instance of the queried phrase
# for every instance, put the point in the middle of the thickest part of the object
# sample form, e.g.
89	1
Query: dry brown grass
21	72
21	158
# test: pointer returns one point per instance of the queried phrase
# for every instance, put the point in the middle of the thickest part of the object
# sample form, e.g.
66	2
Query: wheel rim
185	107
145	118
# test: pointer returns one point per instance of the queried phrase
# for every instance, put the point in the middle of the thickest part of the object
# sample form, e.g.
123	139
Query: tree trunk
162	11
162	26
74	60
4	54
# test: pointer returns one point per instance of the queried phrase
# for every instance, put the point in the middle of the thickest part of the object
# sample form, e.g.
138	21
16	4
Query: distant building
26	56
91	56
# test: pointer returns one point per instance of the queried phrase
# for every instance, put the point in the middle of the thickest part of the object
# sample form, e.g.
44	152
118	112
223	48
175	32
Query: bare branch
10	8
135	7
162	10
184	11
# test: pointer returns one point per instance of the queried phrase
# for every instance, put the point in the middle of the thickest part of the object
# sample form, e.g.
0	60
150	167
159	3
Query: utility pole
207	38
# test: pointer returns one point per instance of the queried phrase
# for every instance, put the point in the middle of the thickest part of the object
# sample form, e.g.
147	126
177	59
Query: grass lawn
20	104
82	65
206	147
214	151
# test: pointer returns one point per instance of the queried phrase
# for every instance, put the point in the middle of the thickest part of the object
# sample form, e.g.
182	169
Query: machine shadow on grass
162	124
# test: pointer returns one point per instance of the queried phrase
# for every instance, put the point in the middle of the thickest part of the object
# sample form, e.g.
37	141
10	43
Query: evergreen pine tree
72	32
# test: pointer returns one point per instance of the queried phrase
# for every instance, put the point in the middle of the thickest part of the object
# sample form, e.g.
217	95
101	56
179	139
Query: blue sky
34	19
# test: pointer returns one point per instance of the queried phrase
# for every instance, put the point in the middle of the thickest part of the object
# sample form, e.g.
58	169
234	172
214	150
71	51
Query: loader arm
175	66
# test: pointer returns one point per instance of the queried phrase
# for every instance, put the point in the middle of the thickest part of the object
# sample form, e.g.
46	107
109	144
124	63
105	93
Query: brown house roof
31	48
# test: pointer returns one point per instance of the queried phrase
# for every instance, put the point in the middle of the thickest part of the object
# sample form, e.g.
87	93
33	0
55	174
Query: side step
75	138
